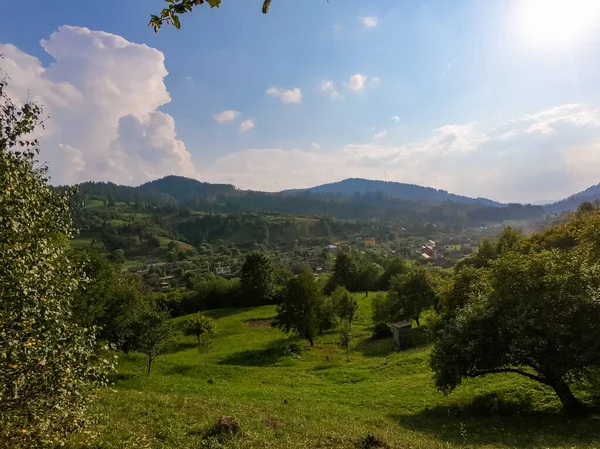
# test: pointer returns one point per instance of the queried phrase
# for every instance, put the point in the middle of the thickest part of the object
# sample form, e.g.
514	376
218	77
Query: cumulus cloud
102	94
507	163
286	96
356	82
328	87
246	125
395	118
226	116
369	21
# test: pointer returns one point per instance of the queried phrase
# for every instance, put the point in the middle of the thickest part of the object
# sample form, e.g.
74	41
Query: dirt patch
272	423
259	323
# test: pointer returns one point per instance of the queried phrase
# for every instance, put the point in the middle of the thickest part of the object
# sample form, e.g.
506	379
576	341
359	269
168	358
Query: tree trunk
310	340
417	320
570	403
149	364
347	354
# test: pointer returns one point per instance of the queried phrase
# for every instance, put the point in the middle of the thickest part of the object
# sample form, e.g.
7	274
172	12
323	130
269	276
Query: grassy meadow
320	400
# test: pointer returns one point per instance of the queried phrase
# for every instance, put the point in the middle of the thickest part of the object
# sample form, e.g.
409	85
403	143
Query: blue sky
495	98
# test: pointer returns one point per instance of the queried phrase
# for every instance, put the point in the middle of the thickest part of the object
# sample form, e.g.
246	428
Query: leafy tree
257	279
391	269
200	325
369	277
381	310
537	318
299	308
345	304
48	362
327	314
118	256
410	294
346	338
154	334
346	273
170	14
508	241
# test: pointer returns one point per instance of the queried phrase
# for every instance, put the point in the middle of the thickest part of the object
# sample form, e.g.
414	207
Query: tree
118	256
48	362
299	308
154	334
346	338
537	317
200	325
170	15
345	304
392	268
346	272
257	280
410	294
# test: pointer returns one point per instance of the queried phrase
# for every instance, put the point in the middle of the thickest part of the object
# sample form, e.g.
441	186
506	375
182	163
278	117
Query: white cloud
102	94
246	125
380	134
507	163
328	86
226	116
314	146
375	81
286	96
369	21
395	118
356	82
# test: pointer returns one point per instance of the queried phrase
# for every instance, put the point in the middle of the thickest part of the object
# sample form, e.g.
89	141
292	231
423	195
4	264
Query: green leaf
214	3
176	22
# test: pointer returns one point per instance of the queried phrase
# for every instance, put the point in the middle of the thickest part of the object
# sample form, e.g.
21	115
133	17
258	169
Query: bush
382	330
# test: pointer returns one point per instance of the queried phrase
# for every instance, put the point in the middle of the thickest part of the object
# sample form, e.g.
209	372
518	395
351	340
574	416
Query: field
320	400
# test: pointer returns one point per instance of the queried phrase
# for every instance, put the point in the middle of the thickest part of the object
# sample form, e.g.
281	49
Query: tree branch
508	370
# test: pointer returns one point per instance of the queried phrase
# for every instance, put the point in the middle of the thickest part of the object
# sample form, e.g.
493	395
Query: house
429	250
403	337
369	242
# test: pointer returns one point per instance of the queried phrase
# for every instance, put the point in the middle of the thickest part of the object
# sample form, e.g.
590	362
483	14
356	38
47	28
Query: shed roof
401	324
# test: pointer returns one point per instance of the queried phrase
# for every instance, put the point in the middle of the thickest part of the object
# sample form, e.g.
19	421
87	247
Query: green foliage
327	314
537	317
153	334
345	304
346	338
170	15
410	294
392	268
346	273
200	325
257	280
298	311
380	307
118	256
48	363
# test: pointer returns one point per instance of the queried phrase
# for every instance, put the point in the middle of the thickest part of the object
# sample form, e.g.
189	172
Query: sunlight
558	21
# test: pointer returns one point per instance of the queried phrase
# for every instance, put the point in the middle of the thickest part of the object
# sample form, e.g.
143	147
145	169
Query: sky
495	98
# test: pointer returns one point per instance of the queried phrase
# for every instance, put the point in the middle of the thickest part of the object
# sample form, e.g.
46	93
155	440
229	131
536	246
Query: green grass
320	400
181	246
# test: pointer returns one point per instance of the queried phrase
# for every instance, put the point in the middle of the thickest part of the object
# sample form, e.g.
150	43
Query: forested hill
180	193
571	203
354	186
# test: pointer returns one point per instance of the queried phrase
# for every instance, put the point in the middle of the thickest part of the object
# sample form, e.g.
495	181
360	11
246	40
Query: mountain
571	203
358	186
186	190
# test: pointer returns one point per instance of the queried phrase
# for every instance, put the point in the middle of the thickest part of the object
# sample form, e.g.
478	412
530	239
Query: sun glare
558	21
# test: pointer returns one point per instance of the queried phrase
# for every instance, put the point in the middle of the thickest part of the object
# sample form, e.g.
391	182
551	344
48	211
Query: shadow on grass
492	419
272	354
182	346
381	347
224	313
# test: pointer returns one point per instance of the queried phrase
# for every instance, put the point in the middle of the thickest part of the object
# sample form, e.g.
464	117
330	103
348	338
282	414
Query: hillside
571	203
418	205
412	192
320	400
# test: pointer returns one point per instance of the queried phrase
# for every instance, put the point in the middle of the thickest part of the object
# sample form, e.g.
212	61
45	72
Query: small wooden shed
403	336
